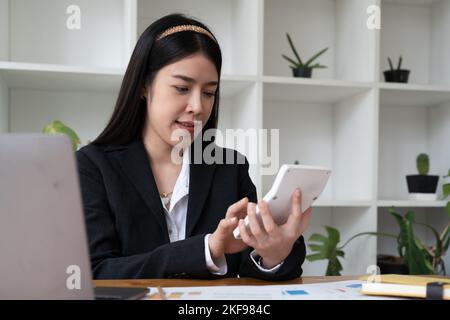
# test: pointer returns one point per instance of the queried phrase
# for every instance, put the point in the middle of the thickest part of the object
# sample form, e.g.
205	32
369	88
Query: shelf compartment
333	134
85	111
435	217
311	90
404	132
60	77
352	48
36	32
416	30
413	95
234	23
411	204
342	203
359	253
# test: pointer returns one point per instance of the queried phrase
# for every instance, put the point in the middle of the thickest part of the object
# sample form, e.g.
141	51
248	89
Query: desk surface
219	282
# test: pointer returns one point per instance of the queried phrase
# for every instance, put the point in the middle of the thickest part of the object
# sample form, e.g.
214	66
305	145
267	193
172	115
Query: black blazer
127	231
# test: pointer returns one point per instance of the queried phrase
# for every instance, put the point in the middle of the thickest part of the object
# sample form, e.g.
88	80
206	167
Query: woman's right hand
222	241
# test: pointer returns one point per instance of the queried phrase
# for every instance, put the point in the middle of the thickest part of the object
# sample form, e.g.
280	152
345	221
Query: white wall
311	25
306	135
4	29
86	113
38	33
406	31
440	44
403	135
234	23
360	253
439	140
353	130
356	50
4	106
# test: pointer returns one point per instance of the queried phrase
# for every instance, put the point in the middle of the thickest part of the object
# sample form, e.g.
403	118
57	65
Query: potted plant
390	264
413	256
446	185
422	186
396	75
300	69
326	247
58	127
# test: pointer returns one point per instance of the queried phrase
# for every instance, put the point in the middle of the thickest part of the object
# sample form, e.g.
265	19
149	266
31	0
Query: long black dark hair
149	56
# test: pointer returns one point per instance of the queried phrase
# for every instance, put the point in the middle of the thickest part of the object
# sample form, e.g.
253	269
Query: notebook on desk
43	244
407	286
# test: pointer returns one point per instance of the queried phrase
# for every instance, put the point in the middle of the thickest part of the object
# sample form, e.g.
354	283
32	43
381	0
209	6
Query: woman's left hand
272	242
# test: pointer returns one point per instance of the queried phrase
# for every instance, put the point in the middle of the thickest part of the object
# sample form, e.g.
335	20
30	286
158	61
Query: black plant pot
401	75
302	72
391	265
422	183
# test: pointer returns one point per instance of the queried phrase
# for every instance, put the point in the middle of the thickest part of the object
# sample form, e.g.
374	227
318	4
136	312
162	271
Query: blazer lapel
134	162
200	178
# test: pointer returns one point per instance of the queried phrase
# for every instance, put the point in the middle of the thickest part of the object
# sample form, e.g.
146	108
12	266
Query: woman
151	215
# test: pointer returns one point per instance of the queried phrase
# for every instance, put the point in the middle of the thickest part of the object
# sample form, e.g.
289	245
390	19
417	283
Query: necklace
165	194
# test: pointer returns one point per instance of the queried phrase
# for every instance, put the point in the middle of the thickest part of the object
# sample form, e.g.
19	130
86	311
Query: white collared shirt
176	219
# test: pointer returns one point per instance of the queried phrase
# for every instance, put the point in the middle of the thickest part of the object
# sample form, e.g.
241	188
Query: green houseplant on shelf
422	186
300	68
446	186
413	256
58	127
396	75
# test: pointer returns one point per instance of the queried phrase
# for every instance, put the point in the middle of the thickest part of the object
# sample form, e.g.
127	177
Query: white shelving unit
413	117
346	117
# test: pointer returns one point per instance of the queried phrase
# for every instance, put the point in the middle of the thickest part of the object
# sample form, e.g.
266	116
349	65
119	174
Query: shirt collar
181	188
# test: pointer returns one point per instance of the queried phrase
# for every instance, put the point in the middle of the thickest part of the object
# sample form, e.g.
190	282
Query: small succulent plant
298	63
423	164
399	65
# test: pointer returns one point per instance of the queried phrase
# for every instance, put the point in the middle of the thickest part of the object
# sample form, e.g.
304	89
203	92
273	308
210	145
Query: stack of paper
402	286
341	290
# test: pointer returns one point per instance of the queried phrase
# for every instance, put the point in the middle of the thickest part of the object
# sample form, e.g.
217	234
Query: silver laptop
43	244
43	247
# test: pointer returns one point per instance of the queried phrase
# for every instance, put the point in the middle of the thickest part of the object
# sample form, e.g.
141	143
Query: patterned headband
185	27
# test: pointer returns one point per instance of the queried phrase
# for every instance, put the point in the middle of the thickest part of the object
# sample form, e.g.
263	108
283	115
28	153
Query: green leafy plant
446	192
298	62
326	248
58	127
423	164
399	65
419	258
446	189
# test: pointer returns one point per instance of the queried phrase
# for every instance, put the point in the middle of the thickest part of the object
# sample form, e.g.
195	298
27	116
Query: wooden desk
219	282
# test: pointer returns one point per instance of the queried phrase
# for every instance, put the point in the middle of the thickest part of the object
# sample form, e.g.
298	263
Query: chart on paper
340	290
